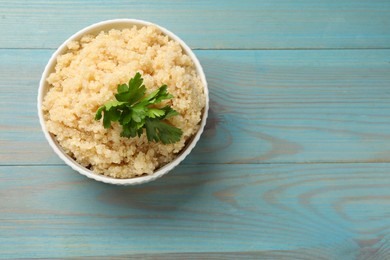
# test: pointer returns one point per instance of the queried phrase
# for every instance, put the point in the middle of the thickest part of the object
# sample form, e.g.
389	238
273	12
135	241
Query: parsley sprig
136	111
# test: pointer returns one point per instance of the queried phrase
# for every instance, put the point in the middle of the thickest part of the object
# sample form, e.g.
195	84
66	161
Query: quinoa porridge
87	76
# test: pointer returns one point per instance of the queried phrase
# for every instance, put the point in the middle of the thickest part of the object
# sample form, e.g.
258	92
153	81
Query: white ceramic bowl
44	86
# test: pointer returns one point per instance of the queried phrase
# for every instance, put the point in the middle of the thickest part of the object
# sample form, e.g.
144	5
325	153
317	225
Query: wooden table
294	163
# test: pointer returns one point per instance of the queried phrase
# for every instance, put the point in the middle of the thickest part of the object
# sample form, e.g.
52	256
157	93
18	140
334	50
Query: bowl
94	29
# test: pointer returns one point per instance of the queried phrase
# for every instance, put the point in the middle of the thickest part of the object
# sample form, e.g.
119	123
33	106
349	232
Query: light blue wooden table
294	163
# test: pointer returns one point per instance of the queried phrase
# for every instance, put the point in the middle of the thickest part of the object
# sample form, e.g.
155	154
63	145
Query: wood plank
249	24
297	106
271	106
301	254
329	211
21	138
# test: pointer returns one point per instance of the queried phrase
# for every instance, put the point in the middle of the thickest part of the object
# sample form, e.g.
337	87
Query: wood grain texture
294	162
249	24
321	211
301	254
272	106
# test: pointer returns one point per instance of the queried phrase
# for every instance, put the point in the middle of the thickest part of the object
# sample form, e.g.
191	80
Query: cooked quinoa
87	76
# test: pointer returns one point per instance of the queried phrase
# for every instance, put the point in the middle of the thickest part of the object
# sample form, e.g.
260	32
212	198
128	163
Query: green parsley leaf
154	112
158	95
135	112
157	130
169	112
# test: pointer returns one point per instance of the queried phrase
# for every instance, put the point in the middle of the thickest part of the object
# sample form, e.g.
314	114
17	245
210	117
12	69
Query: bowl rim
97	27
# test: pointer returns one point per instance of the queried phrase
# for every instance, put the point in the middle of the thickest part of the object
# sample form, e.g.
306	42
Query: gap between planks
195	164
